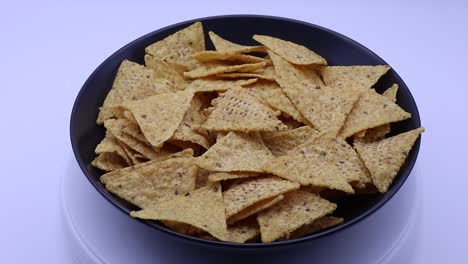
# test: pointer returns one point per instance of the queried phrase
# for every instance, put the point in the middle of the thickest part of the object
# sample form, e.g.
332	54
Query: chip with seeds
209	69
160	115
166	72
290	51
298	208
178	48
133	82
372	110
325	108
228	46
361	77
283	141
166	180
236	152
274	97
211	85
238	110
384	158
255	208
211	55
223	176
108	177
203	208
246	193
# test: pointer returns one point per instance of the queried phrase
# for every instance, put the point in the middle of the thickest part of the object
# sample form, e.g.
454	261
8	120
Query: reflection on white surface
97	232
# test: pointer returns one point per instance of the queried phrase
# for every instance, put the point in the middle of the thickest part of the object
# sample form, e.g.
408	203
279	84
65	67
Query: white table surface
48	48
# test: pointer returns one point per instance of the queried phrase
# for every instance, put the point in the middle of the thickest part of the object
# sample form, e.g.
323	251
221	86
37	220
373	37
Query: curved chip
228	46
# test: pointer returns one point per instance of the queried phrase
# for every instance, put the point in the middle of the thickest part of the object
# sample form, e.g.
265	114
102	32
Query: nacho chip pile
246	143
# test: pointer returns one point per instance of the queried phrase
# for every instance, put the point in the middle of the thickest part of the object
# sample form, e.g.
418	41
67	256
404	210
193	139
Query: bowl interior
335	48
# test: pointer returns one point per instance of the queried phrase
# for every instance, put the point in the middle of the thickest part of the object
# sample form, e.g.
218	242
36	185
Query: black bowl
336	48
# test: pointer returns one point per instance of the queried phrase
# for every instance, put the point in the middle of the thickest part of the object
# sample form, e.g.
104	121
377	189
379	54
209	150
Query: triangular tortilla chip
141	168
132	82
209	69
166	180
319	224
372	110
160	115
236	152
283	141
308	164
203	209
242	231
211	55
274	97
298	208
292	52
360	77
255	208
246	75
228	46
192	118
177	49
238	110
245	193
165	71
211	85
325	108
384	158
110	144
109	161
223	176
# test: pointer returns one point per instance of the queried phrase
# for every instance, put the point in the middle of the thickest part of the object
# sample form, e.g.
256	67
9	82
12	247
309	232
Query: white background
47	50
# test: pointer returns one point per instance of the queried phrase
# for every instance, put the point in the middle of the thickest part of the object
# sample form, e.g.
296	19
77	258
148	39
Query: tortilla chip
325	108
255	208
308	164
109	161
140	168
132	82
227	46
274	97
245	193
160	115
391	92
164	181
319	224
238	110
166	72
360	77
236	152
116	127
203	209
298	208
211	55
110	144
178	48
211	85
242	231
223	176
372	110
384	158
283	141
292	52
193	117
246	75
209	69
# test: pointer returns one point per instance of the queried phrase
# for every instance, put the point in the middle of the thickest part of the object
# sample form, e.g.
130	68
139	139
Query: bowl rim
392	191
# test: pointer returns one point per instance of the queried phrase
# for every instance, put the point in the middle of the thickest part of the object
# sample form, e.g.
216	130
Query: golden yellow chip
164	181
246	75
236	152
255	208
211	85
166	72
283	141
384	158
211	55
223	176
109	161
292	52
133	82
111	145
209	69
238	110
160	115
202	208
177	49
228	46
372	110
360	77
325	108
298	208
242	231
245	193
